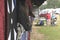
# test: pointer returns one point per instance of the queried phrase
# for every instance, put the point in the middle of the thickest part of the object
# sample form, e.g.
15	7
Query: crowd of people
50	19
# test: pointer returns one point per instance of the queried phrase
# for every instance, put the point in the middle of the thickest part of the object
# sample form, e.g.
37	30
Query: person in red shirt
48	18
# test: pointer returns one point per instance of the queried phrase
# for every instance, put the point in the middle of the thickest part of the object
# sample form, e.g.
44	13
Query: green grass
52	33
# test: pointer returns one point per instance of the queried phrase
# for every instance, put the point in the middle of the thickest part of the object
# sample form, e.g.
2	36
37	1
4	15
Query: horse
20	14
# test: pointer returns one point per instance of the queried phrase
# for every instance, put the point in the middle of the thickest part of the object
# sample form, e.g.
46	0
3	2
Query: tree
51	4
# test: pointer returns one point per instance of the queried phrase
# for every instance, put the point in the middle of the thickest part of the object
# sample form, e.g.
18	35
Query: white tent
47	11
57	10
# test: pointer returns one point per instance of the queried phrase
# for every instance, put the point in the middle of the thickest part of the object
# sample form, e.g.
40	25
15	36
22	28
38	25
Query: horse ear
37	2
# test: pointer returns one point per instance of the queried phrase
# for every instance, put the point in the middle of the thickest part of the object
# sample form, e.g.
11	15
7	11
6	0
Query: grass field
48	32
51	32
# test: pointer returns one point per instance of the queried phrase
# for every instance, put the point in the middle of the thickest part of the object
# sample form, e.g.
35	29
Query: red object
28	35
48	16
2	20
42	15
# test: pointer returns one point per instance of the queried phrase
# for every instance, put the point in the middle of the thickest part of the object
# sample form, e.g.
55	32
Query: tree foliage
51	4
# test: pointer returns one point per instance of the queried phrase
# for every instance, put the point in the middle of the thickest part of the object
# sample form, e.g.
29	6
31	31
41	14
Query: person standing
48	18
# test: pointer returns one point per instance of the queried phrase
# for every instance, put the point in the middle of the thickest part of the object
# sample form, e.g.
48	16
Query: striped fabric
12	21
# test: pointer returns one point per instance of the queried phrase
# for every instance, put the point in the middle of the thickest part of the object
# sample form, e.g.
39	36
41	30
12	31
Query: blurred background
46	24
